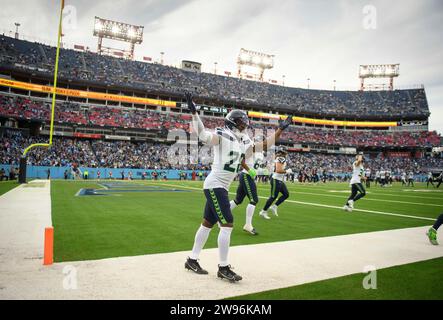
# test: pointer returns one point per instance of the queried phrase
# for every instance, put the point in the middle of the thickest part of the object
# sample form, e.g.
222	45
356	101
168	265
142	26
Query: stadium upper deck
90	69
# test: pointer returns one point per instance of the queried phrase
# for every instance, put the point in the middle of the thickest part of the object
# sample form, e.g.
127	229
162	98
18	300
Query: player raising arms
358	191
277	183
229	149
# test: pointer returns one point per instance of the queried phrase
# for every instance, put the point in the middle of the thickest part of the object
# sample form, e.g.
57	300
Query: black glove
191	104
285	123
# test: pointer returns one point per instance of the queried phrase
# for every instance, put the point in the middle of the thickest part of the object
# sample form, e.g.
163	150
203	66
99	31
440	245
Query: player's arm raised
273	138
204	135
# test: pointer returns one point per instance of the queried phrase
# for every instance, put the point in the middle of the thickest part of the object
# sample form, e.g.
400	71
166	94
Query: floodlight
132	33
115	29
256	60
245	57
98	26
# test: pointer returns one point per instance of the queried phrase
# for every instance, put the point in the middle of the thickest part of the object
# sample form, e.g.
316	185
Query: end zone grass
5	186
128	224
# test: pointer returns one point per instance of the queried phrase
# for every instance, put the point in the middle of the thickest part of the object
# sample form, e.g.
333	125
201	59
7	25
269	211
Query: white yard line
371	190
366	199
325	205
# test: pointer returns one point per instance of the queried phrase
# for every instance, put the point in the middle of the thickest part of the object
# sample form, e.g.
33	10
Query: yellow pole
51	132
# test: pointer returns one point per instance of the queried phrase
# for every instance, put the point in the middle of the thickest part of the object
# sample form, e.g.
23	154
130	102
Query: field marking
162	276
332	207
367	198
25	212
373	191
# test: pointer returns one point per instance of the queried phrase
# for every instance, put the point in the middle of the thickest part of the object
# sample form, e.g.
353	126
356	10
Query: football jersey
279	176
357	172
255	161
228	155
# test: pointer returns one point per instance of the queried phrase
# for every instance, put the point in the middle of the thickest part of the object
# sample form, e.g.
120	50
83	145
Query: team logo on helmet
237	119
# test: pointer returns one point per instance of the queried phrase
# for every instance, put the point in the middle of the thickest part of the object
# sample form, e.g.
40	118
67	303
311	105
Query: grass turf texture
6	186
128	224
420	280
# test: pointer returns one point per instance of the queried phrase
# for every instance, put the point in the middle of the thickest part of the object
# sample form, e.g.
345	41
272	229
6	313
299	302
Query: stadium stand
88	66
36	60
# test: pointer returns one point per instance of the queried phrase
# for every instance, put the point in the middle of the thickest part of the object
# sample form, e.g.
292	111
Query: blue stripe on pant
246	188
277	187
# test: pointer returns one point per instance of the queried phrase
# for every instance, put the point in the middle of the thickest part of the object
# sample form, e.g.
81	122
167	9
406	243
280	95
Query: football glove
191	104
252	173
285	123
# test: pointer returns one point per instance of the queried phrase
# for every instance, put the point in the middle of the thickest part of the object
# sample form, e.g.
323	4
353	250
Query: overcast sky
323	40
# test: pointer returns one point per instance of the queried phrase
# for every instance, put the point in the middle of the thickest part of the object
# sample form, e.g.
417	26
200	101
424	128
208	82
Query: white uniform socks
249	213
224	240
233	204
200	239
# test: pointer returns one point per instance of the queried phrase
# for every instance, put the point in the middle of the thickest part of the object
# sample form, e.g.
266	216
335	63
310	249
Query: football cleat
250	229
193	265
347	208
351	204
432	235
228	274
274	210
264	214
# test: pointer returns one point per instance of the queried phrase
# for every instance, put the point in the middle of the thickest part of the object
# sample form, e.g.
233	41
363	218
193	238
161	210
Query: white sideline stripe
264	267
328	206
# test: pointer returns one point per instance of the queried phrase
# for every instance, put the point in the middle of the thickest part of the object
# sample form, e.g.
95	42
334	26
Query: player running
229	151
432	232
277	183
430	180
358	191
247	186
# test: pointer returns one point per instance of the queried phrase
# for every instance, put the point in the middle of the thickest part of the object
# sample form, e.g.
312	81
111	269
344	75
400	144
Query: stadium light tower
378	71
119	31
16	29
261	61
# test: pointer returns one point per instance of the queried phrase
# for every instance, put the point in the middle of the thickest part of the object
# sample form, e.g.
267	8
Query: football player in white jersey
247	187
358	191
254	158
403	178
277	183
229	150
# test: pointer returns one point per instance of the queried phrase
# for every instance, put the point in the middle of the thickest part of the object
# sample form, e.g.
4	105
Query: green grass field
137	223
416	281
127	224
5	186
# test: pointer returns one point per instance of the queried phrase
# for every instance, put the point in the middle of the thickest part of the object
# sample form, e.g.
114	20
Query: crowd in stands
125	154
69	112
78	65
337	163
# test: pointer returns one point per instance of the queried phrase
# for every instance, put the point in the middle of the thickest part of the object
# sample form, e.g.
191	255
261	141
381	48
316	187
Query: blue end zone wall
40	172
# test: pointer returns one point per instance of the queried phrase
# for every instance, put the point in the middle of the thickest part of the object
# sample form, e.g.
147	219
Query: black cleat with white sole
193	265
228	274
251	231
